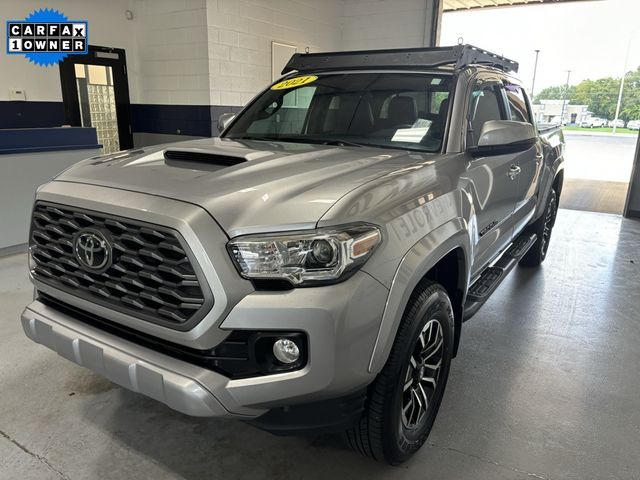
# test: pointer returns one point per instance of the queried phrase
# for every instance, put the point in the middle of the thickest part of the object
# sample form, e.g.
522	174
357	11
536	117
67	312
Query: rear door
528	162
491	177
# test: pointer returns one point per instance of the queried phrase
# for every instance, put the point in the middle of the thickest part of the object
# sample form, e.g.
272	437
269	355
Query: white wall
218	52
213	52
371	24
172	51
107	27
240	36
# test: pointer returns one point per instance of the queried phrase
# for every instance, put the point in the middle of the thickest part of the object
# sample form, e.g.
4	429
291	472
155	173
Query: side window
517	104
485	104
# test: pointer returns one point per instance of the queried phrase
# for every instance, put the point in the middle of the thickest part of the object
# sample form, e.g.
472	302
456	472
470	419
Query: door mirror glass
505	136
224	120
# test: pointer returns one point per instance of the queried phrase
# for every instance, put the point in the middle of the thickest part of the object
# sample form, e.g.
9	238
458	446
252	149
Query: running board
491	277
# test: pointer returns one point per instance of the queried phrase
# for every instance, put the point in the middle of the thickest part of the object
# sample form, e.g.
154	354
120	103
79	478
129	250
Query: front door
529	161
95	91
491	177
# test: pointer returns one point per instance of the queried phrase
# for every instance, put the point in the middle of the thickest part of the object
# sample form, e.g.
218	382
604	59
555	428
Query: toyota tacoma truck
311	268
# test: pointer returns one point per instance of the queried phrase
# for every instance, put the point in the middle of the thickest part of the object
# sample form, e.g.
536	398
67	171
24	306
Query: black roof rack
459	56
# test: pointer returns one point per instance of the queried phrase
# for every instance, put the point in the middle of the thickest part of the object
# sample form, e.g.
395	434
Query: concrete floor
546	386
594	195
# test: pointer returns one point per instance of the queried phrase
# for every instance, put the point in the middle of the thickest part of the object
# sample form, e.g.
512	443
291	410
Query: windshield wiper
279	139
264	139
339	143
319	141
334	141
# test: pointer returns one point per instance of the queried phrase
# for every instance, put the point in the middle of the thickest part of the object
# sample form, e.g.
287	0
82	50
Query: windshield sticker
294	82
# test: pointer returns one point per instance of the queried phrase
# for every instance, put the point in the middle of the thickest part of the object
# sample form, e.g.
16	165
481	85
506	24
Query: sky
589	38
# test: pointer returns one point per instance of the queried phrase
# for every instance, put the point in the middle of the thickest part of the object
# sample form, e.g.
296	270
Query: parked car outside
633	125
617	123
593	122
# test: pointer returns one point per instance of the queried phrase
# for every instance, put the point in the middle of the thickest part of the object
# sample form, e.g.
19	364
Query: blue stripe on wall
31	114
195	120
27	140
171	119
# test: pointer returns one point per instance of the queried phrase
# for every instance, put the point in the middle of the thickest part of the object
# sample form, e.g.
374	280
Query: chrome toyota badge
92	250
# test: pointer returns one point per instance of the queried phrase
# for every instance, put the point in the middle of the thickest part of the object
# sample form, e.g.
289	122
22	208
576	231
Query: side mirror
224	120
504	136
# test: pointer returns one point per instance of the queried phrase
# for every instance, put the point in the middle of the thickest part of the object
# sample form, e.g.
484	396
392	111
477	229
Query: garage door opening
574	78
597	171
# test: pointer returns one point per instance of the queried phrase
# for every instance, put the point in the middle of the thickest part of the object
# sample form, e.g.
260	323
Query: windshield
396	110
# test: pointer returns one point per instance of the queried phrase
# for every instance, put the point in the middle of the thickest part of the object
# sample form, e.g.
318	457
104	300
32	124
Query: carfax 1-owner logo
46	37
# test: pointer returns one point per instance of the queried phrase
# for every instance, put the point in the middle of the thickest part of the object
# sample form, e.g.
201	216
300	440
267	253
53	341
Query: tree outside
601	95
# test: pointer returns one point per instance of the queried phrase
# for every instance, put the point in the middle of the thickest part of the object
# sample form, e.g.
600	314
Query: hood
247	186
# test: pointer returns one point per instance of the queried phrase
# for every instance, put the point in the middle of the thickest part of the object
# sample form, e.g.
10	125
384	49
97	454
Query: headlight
305	258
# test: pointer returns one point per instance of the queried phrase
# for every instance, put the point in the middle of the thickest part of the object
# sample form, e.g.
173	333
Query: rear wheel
404	399
542	228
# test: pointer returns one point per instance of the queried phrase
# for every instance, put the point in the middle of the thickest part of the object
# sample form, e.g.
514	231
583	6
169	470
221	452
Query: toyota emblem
92	250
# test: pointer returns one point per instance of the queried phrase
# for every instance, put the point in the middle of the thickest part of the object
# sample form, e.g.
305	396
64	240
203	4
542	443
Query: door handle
514	171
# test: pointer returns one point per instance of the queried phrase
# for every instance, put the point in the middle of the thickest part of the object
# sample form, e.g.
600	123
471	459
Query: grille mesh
150	277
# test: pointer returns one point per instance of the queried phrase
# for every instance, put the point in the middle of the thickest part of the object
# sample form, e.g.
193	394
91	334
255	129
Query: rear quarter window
518	110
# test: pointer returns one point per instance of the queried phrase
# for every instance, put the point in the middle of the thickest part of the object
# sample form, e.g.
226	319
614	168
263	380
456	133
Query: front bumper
340	321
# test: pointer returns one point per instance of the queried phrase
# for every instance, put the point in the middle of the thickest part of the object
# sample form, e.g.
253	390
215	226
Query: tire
543	228
384	432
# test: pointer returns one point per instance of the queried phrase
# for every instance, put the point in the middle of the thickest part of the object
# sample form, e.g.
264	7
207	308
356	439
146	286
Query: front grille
150	276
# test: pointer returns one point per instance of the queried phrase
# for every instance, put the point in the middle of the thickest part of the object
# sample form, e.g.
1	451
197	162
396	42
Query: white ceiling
453	5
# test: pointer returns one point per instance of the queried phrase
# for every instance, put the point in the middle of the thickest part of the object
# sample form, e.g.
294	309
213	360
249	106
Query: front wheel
542	228
404	399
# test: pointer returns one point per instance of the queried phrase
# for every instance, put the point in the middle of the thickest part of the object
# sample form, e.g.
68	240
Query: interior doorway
95	91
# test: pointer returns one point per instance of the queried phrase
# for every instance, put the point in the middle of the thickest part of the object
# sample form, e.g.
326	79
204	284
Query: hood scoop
203	157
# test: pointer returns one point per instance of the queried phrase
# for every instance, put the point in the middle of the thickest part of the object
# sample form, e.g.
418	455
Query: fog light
286	351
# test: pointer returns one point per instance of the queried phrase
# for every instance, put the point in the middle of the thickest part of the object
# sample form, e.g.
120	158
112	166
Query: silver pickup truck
311	268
